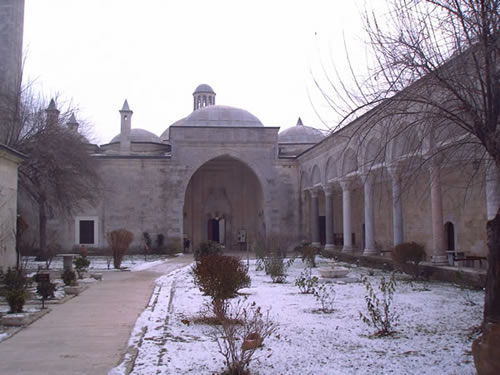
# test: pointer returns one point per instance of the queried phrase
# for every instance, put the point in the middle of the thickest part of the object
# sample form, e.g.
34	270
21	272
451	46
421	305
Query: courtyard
433	332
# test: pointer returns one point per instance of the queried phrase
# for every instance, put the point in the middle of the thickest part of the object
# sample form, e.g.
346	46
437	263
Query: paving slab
89	333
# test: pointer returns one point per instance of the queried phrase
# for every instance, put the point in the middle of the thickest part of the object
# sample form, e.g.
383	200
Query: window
86	230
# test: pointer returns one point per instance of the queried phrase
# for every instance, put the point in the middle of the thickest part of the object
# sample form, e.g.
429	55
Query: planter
21	319
486	350
333	272
72	290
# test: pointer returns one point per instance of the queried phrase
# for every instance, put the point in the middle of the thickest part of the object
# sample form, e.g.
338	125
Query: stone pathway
89	333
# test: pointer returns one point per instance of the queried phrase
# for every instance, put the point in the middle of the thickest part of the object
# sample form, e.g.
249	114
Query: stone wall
9	162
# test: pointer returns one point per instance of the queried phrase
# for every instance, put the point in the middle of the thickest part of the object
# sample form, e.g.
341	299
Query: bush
380	312
309	255
69	277
325	294
220	276
16	285
207	248
119	240
306	282
277	268
81	265
407	256
243	330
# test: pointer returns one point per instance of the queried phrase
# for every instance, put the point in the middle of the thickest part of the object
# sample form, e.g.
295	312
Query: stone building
219	174
9	162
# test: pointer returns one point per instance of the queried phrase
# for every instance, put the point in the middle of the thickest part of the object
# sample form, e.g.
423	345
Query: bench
468	260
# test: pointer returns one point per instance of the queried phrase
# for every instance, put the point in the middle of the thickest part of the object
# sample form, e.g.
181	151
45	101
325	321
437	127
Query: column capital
367	178
395	170
314	192
329	189
345	183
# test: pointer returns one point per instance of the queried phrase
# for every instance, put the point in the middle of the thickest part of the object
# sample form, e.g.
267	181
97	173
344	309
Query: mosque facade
219	174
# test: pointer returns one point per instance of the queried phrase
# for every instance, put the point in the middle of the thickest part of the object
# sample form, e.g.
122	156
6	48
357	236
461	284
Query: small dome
300	134
139	135
165	136
204	88
221	115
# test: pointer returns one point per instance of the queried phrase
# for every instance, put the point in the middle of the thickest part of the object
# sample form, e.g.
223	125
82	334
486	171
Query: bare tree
434	81
59	174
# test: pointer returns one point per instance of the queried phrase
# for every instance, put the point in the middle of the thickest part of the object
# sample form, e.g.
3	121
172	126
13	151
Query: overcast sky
257	55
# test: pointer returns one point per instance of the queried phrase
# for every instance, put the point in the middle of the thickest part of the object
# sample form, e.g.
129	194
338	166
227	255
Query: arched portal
224	199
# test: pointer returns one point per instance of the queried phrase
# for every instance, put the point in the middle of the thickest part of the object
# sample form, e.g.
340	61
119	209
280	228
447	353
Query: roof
300	134
204	88
222	116
139	135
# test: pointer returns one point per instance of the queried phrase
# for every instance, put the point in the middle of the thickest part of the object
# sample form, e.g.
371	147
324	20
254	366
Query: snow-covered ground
434	331
98	263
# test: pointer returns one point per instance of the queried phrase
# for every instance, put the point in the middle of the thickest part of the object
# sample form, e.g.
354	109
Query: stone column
329	217
492	190
346	215
438	244
397	207
315	218
369	217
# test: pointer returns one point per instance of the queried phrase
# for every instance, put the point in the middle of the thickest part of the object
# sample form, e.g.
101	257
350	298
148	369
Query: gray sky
257	55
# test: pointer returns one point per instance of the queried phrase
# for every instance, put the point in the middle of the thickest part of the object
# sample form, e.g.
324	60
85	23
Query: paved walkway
89	333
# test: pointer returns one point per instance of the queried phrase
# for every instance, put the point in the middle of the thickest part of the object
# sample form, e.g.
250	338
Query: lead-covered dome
204	88
300	134
223	116
139	135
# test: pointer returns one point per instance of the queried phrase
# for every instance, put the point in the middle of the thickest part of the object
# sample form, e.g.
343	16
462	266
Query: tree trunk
43	229
492	295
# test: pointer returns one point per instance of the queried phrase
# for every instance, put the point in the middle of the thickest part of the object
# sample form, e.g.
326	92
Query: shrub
52	250
16	285
306	282
207	248
119	241
220	276
325	294
407	256
309	255
81	265
68	277
277	268
243	330
380	311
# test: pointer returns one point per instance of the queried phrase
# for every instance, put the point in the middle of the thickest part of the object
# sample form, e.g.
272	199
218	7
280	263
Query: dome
204	88
300	134
223	116
139	135
166	134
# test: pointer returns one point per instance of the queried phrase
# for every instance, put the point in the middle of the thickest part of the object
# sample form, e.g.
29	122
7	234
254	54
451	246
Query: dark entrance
213	230
322	230
449	229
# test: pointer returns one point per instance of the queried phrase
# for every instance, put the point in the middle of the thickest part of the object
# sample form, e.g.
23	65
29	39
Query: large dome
300	134
223	116
139	135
